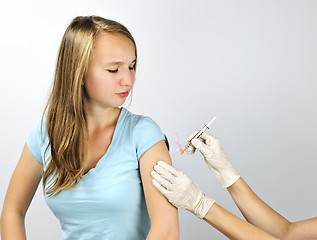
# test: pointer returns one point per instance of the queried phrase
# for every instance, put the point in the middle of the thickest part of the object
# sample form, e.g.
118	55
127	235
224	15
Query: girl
95	158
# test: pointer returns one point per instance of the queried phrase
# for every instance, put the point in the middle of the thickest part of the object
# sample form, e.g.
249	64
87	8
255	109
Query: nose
127	78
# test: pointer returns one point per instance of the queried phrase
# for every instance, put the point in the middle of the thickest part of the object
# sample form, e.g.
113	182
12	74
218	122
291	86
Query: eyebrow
118	62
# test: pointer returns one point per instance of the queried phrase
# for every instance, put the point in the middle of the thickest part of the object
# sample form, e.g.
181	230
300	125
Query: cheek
133	78
98	84
98	79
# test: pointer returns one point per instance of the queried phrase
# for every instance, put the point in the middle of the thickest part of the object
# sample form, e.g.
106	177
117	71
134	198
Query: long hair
65	118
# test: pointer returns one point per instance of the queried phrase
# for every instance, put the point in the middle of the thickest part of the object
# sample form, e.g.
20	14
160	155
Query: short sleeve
34	141
146	134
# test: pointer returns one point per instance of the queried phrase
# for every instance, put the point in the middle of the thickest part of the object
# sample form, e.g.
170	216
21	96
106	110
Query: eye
132	68
112	71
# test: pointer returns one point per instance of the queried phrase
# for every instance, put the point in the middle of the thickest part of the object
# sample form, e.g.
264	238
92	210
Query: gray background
251	63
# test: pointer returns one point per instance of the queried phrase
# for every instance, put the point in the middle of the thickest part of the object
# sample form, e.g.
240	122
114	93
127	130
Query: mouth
123	94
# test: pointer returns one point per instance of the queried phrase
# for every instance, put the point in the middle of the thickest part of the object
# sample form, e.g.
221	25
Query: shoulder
38	132
140	122
37	140
145	132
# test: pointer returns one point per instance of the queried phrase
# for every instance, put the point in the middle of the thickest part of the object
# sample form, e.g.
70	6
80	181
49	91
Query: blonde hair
65	118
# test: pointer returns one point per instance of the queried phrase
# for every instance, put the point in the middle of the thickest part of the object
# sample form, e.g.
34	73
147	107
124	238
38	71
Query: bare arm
251	206
261	215
23	184
163	216
232	226
182	192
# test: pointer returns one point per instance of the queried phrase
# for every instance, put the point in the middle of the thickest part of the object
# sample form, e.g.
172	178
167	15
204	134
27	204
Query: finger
191	149
161	180
167	172
159	187
207	138
169	168
204	136
191	136
198	144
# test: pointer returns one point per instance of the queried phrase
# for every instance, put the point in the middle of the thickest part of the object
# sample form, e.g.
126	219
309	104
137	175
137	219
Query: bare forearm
12	226
257	211
232	226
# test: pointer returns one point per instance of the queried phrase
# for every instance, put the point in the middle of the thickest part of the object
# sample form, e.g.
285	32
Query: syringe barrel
197	135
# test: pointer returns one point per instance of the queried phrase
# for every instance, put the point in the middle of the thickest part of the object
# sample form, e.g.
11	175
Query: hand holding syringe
197	135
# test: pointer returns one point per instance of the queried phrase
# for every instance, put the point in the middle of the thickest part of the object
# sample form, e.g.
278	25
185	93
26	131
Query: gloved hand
216	159
180	190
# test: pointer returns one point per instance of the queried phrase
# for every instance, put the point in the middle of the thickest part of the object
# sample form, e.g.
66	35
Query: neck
98	118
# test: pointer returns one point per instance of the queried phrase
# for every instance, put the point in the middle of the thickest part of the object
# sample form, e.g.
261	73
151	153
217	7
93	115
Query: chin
119	104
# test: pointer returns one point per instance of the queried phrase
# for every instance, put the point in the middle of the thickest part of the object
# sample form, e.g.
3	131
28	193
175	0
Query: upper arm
162	214
23	184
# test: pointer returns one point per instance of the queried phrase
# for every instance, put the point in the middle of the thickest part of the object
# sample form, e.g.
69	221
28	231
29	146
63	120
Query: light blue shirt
108	202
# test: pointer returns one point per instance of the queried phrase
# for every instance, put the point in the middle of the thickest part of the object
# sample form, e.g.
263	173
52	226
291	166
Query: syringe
197	135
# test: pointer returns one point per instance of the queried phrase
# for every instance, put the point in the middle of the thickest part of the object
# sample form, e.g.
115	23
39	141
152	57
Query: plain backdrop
251	63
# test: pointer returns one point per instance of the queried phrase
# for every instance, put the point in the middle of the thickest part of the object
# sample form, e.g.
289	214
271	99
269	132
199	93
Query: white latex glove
180	190
216	159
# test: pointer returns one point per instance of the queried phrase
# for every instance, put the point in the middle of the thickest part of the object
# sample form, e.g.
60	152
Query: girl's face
110	74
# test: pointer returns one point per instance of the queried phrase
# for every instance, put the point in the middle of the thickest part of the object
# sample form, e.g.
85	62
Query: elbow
2	220
171	234
11	223
288	233
175	237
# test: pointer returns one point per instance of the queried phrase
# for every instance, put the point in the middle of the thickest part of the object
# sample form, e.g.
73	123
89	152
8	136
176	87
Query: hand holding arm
183	193
180	190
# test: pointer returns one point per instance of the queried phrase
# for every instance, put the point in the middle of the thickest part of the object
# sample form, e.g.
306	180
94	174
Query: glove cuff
228	177
203	206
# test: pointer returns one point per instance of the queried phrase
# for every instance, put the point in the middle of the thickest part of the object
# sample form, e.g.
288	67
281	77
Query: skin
233	227
163	215
262	221
254	209
184	193
251	206
110	72
22	187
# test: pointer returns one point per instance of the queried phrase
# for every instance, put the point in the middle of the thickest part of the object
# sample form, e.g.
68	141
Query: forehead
113	47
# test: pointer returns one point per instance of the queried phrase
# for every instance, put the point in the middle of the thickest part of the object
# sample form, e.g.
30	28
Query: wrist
228	177
203	205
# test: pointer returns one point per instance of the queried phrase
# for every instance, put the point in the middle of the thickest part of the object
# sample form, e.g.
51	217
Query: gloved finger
208	138
162	170
167	171
164	173
198	144
191	149
191	136
166	184
159	187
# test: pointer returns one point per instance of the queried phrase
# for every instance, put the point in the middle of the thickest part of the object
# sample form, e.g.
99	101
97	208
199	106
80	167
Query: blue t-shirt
108	202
